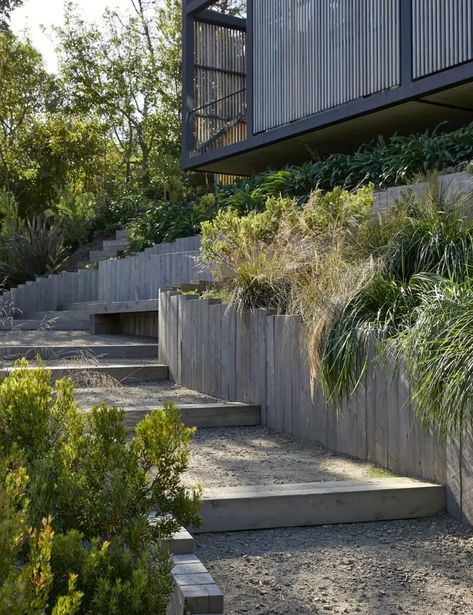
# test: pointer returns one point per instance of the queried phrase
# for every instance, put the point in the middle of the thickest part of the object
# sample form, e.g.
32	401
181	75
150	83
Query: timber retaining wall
122	279
259	358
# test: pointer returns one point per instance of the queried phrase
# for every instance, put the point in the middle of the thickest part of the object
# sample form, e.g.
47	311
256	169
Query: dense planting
386	163
399	284
88	493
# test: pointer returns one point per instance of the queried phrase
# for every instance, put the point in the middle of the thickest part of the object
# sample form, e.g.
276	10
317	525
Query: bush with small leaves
110	500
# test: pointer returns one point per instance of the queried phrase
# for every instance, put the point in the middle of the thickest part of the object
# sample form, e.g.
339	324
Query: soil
422	567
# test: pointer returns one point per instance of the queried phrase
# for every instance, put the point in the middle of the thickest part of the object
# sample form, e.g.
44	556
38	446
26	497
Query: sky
37	13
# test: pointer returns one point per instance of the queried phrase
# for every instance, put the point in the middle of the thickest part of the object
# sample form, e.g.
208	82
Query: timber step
181	543
205	415
305	504
92	374
53	316
102	351
58	324
113	307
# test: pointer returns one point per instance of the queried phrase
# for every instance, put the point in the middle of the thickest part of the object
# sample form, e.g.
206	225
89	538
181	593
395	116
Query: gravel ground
421	567
237	456
143	395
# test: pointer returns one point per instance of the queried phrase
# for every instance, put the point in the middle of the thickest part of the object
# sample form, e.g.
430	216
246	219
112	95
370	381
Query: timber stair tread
118	370
112	307
201	415
321	503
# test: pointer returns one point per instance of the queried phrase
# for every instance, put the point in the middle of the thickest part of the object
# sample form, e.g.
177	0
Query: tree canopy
6	8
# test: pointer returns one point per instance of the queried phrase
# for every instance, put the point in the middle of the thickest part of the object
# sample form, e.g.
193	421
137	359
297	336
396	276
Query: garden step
102	351
114	307
97	255
58	324
121	234
52	316
205	415
118	244
92	375
293	505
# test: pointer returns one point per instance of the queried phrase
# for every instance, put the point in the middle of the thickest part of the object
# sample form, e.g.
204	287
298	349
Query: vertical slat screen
314	55
443	35
219	86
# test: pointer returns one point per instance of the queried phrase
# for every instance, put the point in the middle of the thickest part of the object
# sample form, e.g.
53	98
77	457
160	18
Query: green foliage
439	352
26	581
166	220
76	214
383	164
34	247
6	8
109	500
415	306
391	162
265	259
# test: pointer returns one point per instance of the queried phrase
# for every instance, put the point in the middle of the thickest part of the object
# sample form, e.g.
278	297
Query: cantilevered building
278	81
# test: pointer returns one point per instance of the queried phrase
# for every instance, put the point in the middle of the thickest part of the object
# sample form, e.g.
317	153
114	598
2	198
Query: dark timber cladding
281	79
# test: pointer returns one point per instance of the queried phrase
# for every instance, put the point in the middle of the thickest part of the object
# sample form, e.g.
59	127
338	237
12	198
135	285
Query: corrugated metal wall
443	34
313	55
219	84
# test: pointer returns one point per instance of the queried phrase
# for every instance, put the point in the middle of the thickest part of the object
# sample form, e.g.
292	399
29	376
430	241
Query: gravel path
144	395
234	456
419	567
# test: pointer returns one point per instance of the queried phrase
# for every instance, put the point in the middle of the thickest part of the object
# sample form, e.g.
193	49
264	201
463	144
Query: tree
43	149
6	8
127	73
23	94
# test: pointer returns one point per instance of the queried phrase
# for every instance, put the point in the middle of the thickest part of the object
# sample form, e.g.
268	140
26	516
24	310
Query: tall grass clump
271	258
407	311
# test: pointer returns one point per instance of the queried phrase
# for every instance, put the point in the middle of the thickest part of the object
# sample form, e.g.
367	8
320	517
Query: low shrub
99	503
31	248
266	258
76	216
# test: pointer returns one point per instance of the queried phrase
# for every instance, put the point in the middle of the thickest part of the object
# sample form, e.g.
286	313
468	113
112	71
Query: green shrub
26	580
165	221
111	500
275	258
76	216
385	163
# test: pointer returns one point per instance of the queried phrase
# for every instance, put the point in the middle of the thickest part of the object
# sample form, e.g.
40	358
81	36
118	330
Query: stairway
252	479
111	247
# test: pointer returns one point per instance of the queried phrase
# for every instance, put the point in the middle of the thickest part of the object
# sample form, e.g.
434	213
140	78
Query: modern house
278	81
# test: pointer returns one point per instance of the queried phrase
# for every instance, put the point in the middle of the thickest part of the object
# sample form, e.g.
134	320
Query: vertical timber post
187	82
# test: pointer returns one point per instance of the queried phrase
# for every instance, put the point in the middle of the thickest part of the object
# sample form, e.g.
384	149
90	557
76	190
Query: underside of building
273	82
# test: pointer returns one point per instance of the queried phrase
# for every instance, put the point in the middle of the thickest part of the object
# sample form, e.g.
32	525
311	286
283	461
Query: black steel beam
193	7
220	19
188	55
357	108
